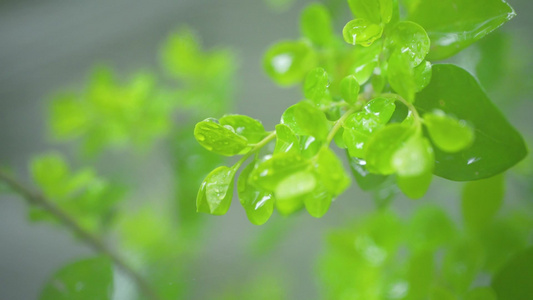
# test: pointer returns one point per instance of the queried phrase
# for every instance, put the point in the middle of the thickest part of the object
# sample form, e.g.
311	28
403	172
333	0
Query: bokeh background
46	46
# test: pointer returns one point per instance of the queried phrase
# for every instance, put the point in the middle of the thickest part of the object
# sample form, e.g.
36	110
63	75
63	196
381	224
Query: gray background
48	45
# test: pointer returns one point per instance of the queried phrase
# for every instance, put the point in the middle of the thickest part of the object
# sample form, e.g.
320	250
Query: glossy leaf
286	140
216	191
331	173
86	279
358	128
258	205
453	25
249	128
406	80
383	145
513	281
309	146
316	84
364	61
350	89
315	24
361	32
305	119
288	62
219	139
497	145
269	173
366	180
381	108
448	133
481	200
409	42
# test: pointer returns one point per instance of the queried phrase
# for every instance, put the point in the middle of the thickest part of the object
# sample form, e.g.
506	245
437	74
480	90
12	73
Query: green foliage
497	145
82	195
382	101
424	257
82	280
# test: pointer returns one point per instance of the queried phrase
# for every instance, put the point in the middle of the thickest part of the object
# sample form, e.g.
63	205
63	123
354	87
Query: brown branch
90	239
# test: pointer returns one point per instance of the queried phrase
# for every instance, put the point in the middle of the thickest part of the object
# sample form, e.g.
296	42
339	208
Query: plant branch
338	125
409	105
90	239
256	148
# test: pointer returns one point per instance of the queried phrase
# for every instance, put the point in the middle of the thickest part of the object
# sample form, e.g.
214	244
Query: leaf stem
89	238
256	148
338	125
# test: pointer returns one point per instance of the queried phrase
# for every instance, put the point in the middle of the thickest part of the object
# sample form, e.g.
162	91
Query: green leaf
381	108
441	293
289	206
358	128
295	185
249	128
317	202
497	146
305	119
361	32
366	180
310	146
218	138
288	62
350	89
269	173
462	263
383	145
429	229
481	201
286	140
514	280
216	191
50	172
414	163
377	11
86	279
364	61
409	42
331	173
481	293
406	80
420	274
315	24
316	84
258	205
453	25
447	133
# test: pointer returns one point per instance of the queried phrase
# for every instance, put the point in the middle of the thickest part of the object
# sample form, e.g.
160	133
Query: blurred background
49	46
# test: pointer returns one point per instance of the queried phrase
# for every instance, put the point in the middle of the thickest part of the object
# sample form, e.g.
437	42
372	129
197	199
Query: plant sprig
376	96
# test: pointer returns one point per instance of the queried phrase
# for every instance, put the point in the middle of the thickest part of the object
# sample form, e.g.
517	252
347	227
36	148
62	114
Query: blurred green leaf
497	146
462	263
288	62
331	173
447	133
429	229
316	84
453	25
377	11
481	200
86	279
514	279
315	24
481	293
350	89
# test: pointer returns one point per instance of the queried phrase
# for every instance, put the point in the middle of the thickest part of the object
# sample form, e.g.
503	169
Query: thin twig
90	239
